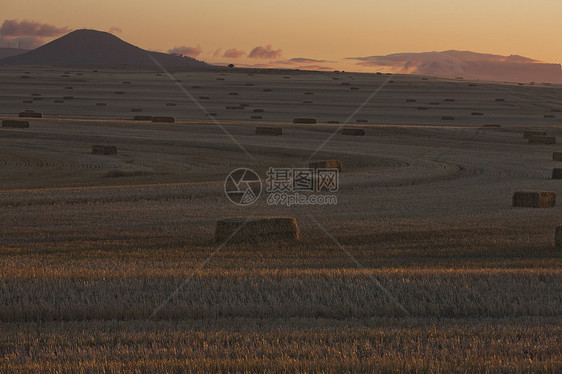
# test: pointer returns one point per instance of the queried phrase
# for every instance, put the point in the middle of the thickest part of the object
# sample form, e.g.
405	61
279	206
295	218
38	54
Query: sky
325	30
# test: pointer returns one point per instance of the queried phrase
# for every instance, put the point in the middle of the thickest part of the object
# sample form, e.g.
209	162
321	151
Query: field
108	262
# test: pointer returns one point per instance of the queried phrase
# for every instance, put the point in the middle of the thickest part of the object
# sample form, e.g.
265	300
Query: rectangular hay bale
104	150
542	140
556	156
534	199
353	132
30	115
142	118
528	133
15	124
558	237
167	119
557	173
255	230
269	131
305	120
326	164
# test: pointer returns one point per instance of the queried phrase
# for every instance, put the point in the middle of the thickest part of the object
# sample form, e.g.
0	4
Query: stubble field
423	265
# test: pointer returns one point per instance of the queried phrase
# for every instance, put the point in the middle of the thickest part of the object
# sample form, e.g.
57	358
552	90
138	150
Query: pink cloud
265	52
30	28
234	53
187	51
217	52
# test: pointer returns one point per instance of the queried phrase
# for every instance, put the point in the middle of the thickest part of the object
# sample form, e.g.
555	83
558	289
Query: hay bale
422	108
68	97
434	103
59	101
491	126
410	100
353	88
15	124
101	104
27	101
534	199
477	114
136	110
167	119
269	131
557	173
233	93
542	140
220	79
333	122
345	84
211	114
557	156
447	118
244	105
195	87
126	82
35	94
326	164
37	98
304	120
449	100
238	107
170	104
69	88
250	84
307	102
258	110
25	77
558	237
309	93
27	114
267	90
472	85
142	118
257	230
361	121
204	98
549	116
555	110
104	150
528	133
500	100
353	132
256	117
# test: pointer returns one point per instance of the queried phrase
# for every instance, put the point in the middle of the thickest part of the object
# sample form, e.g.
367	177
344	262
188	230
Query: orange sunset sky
325	30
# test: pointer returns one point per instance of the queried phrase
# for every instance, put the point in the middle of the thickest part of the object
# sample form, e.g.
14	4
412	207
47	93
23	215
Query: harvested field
110	262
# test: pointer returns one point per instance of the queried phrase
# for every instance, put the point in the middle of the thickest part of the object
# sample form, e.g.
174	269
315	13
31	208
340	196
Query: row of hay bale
165	119
538	137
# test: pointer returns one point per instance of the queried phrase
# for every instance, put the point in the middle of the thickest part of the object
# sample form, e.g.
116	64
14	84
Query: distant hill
8	52
469	65
91	47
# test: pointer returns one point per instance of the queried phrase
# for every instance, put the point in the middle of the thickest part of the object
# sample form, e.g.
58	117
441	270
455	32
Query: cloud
217	52
265	52
466	64
16	28
301	60
233	53
115	30
187	51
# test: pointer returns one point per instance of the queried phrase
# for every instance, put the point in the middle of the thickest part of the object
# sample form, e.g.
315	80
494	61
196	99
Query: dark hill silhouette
8	52
91	47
